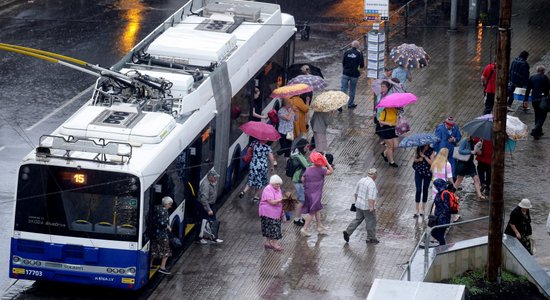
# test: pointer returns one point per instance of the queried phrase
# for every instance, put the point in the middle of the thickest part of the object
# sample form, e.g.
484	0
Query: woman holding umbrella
261	155
257	177
313	180
425	156
388	120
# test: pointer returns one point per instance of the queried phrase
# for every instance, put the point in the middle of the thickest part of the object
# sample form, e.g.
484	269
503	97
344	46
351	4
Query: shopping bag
209	229
175	242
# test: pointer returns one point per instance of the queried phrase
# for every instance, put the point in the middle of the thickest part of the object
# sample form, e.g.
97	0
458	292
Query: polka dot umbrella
410	56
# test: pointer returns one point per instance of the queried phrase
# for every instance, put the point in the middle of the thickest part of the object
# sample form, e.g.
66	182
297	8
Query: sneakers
340	109
203	242
346	236
393	164
373	241
304	232
218	241
322	231
384	157
415	216
241	194
352	106
299	222
164	271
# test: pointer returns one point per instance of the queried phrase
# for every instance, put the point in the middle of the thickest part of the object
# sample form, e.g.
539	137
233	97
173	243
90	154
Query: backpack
453	201
291	167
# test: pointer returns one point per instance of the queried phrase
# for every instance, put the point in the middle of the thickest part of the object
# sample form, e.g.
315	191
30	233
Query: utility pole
496	207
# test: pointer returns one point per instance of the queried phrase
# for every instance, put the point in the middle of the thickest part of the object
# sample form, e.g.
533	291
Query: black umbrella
296	69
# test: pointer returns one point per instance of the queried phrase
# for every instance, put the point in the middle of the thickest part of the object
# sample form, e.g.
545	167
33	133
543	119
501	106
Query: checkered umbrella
410	56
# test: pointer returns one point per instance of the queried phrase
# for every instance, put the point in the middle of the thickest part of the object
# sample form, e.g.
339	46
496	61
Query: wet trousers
422	185
370	222
352	82
439	235
540	117
484	173
489	103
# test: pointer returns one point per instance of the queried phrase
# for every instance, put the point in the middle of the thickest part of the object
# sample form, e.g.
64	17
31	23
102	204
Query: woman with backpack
299	164
441	210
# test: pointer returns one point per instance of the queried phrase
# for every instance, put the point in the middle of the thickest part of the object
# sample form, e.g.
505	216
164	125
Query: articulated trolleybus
157	122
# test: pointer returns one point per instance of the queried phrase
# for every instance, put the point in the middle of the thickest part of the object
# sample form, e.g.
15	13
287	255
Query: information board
377	10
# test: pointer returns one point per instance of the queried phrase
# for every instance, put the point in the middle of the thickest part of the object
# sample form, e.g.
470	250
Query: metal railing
425	237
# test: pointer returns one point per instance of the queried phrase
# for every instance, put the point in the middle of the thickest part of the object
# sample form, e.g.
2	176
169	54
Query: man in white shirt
365	202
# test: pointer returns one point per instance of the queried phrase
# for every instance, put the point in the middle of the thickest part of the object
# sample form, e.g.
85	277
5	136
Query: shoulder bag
457	155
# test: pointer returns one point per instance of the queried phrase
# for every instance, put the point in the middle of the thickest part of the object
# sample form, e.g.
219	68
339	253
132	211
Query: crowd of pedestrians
442	165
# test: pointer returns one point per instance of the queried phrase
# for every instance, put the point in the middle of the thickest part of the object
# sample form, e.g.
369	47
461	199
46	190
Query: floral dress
160	246
258	169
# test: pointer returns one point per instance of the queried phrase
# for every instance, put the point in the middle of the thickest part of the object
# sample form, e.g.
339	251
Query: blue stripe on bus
76	255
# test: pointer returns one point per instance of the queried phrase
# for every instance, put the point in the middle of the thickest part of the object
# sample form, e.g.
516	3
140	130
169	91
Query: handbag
402	125
290	136
247	158
457	155
432	220
353	208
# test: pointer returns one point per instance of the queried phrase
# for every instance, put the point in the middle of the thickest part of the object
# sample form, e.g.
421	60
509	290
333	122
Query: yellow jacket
301	115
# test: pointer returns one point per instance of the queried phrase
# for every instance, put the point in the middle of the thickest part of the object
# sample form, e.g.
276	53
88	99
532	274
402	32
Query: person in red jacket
484	158
488	80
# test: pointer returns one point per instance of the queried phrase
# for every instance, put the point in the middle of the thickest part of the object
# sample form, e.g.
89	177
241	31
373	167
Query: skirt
387	132
271	228
160	248
465	168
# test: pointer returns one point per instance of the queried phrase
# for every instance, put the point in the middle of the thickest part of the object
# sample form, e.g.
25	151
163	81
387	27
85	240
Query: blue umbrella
418	139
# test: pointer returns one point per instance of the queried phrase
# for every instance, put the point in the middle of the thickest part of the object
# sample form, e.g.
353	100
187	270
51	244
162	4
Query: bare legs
477	186
308	218
391	145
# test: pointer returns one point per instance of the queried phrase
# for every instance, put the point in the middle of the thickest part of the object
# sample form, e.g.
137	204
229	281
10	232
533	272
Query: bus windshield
80	203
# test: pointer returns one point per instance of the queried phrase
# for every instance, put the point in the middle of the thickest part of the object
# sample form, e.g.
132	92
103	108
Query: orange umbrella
290	90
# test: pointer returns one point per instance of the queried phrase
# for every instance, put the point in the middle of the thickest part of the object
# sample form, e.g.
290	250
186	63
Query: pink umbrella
261	131
397	100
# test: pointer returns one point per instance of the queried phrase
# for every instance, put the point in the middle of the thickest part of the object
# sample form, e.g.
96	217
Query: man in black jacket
518	77
352	63
540	86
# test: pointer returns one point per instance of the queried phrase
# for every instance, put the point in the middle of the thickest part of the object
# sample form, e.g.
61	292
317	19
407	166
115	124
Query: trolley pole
496	207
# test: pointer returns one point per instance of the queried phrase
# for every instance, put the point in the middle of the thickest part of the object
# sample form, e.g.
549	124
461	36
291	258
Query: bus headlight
16	259
131	271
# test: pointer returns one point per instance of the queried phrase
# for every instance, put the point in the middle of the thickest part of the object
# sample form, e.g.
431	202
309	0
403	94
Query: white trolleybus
157	122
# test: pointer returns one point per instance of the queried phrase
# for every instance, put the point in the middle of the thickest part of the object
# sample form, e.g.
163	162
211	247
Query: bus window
80	203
